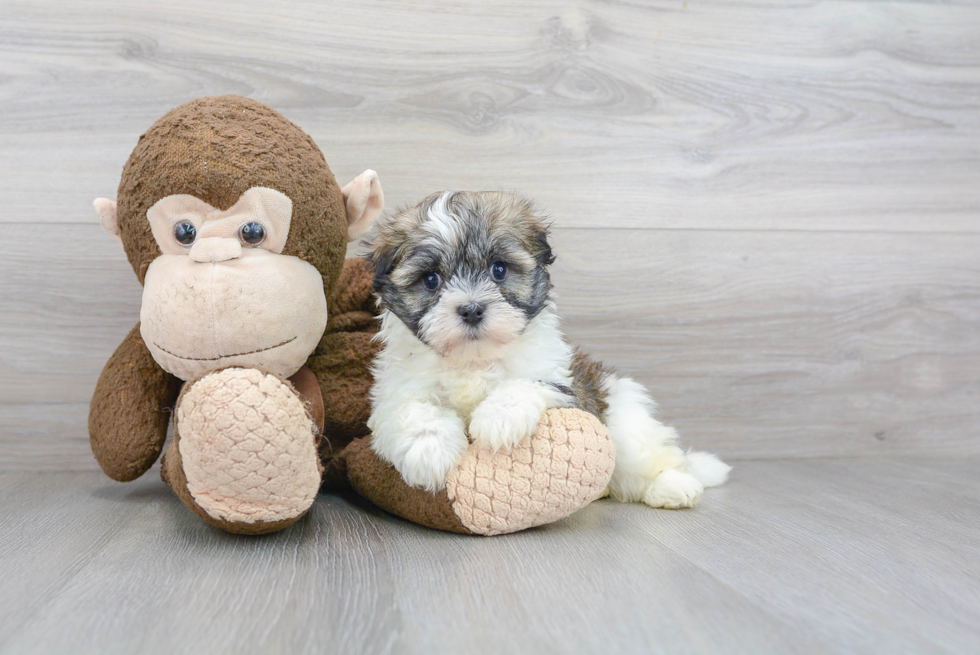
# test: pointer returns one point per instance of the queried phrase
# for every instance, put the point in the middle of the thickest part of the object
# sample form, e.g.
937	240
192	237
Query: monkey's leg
565	465
244	455
130	410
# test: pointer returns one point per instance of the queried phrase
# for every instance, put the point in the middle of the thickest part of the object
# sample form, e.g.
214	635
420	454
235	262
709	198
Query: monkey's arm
342	362
130	410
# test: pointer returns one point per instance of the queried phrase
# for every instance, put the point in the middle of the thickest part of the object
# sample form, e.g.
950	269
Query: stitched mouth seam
214	359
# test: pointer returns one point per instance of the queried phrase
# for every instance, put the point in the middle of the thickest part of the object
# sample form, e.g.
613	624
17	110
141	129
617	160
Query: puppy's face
465	271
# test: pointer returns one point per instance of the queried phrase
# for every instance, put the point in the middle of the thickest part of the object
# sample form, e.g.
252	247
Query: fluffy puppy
472	346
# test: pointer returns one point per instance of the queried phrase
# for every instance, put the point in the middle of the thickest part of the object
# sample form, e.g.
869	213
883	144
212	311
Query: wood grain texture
780	344
756	344
765	212
789	557
789	115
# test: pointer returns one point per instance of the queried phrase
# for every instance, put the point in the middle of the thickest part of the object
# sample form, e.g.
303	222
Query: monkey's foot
565	465
244	454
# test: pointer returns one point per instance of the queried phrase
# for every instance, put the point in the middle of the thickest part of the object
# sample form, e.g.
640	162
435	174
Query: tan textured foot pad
563	467
248	449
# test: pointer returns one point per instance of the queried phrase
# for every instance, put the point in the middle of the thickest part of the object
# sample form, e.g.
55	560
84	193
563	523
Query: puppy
473	346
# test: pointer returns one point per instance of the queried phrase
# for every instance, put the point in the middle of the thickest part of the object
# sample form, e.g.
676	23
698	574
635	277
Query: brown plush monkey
256	335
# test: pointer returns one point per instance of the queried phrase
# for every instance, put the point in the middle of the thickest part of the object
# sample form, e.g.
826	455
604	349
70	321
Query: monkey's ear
106	209
365	200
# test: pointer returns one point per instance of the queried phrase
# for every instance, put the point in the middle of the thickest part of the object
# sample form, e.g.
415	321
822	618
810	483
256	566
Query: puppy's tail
708	469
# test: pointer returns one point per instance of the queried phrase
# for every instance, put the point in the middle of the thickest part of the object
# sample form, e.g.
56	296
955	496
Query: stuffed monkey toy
255	337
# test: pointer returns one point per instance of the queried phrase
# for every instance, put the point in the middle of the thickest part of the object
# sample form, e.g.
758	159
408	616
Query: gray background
766	212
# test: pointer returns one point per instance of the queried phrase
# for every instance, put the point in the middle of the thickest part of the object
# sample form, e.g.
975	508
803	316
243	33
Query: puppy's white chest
467	389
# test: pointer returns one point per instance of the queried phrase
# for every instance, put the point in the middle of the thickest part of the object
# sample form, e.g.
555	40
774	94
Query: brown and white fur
473	346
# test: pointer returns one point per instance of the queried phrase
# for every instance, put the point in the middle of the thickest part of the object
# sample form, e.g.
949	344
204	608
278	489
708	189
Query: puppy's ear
542	249
383	260
534	227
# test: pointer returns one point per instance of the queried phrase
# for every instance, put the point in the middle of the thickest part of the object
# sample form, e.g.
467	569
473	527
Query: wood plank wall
767	212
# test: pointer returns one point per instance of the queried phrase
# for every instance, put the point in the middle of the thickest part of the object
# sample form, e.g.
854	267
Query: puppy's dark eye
431	281
252	233
498	271
185	233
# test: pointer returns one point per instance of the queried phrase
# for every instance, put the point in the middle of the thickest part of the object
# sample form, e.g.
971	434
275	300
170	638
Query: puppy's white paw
433	452
495	424
673	490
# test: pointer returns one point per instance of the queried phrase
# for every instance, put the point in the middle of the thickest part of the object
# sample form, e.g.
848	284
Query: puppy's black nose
472	312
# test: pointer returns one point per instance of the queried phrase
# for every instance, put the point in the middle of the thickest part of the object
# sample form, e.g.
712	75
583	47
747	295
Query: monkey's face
222	294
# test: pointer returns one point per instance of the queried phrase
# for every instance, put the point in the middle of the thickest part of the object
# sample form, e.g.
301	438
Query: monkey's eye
185	233
252	233
431	281
498	270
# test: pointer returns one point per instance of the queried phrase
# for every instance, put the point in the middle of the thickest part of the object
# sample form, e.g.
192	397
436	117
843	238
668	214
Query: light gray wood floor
812	556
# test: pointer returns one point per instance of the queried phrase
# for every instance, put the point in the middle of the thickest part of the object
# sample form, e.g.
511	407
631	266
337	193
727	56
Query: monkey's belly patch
247	447
566	464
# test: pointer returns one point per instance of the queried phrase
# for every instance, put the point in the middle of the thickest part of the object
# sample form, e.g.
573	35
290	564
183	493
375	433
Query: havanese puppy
473	350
